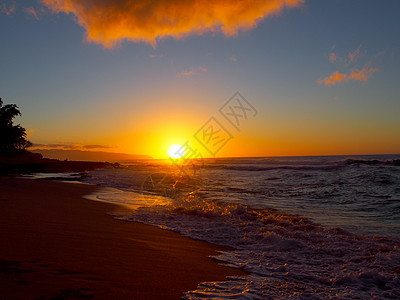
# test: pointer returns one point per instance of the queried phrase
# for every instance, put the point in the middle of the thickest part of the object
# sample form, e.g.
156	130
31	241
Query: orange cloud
192	72
8	10
187	73
31	11
233	58
332	57
359	75
202	69
353	55
109	22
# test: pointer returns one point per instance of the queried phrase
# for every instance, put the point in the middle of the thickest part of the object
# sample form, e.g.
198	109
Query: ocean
303	227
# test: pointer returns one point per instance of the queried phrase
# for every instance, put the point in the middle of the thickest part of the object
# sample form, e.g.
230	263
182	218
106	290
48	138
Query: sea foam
285	255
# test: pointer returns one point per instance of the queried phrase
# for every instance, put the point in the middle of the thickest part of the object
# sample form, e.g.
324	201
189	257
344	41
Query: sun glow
176	151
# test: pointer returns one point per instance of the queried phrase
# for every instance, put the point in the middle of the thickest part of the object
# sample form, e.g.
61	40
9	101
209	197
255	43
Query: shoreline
57	243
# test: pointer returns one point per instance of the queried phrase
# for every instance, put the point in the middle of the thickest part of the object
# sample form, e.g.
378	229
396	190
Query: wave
332	164
286	255
373	162
301	168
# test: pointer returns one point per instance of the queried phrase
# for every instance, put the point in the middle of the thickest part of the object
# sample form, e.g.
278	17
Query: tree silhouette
12	137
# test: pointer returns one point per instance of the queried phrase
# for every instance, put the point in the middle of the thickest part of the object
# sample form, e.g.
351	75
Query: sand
54	244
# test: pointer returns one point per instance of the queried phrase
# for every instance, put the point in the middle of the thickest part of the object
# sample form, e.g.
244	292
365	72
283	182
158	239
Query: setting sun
176	151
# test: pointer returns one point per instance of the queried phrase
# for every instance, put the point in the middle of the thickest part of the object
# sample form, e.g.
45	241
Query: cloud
31	11
233	58
96	147
353	55
358	75
380	53
69	146
109	22
202	69
8	10
346	60
187	73
192	72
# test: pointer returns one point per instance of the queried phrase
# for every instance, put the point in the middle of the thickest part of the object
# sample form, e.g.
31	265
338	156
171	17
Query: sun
176	151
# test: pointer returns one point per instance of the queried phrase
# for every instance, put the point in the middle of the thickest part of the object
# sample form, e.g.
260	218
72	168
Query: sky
313	77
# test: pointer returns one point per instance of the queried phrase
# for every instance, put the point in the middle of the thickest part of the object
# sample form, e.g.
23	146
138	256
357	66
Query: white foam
286	255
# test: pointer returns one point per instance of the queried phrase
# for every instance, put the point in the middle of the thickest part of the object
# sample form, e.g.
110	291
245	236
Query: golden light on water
176	151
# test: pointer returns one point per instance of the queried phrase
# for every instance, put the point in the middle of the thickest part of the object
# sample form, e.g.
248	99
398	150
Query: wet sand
54	243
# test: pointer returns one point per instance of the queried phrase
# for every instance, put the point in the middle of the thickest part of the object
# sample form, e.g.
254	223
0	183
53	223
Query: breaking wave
286	255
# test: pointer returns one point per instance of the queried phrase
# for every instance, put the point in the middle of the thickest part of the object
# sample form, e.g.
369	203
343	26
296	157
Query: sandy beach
57	245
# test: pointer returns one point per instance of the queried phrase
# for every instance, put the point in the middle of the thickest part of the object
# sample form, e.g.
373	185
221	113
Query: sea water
302	227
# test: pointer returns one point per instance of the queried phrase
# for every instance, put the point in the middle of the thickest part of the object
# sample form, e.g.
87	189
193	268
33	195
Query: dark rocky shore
26	162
